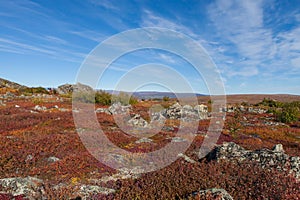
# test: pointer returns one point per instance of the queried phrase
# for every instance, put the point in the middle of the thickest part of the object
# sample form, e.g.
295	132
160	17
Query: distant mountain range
6	85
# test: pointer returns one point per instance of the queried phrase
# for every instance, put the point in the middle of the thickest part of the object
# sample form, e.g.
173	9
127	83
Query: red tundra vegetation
29	138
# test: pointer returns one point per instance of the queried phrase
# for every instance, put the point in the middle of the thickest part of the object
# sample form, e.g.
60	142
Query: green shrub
103	98
38	101
288	113
166	98
124	99
35	90
271	103
84	97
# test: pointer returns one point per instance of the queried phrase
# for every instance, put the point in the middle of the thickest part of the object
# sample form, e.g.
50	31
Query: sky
255	45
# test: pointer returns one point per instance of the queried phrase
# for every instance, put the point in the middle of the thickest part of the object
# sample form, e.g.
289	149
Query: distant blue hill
159	95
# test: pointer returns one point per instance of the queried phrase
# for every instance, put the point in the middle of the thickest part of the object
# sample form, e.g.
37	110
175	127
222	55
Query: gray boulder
174	111
87	191
137	121
118	108
187	112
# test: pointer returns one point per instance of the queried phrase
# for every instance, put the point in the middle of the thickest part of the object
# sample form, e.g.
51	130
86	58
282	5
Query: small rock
143	140
186	158
40	108
178	139
278	148
103	110
52	159
29	157
63	109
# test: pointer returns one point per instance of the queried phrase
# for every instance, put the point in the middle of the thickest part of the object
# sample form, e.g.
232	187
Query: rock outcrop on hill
9	84
70	88
275	158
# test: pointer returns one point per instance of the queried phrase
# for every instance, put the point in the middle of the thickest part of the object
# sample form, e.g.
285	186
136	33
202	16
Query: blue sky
255	44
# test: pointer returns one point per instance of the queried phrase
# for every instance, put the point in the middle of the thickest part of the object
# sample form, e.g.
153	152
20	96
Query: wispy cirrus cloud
150	19
23	46
254	47
105	3
90	34
19	47
241	24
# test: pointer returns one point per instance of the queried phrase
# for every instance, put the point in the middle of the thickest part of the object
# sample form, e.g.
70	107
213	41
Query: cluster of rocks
213	193
33	188
271	123
8	95
43	109
176	111
115	109
231	109
275	158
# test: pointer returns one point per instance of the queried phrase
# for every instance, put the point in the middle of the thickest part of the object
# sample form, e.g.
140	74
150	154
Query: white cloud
296	63
167	58
241	22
